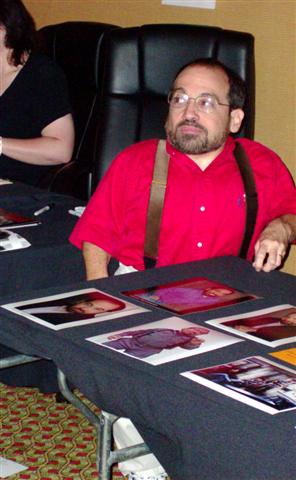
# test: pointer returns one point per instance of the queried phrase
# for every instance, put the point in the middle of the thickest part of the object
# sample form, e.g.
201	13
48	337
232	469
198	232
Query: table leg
15	360
106	457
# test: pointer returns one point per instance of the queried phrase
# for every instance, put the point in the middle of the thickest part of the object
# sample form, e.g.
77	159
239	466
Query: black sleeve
51	94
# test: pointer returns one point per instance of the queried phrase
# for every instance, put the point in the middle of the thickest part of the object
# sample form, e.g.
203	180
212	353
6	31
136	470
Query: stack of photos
164	341
191	295
272	326
254	381
72	309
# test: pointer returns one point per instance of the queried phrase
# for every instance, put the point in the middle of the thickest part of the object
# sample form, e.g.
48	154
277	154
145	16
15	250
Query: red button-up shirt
204	211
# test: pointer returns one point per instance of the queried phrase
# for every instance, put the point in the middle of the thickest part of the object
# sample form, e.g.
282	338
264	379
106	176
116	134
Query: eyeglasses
203	103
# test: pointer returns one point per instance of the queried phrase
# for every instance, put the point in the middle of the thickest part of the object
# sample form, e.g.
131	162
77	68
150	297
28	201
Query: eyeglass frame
202	95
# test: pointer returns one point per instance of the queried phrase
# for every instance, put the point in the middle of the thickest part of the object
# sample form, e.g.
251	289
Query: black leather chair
139	64
76	47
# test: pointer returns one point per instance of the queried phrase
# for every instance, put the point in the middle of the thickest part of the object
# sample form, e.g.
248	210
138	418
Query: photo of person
164	341
75	308
143	343
192	295
274	326
254	380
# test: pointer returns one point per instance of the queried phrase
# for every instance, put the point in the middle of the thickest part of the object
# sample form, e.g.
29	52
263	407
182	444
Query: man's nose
191	110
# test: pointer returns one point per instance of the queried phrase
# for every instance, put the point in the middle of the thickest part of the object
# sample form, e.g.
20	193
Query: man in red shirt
204	209
204	212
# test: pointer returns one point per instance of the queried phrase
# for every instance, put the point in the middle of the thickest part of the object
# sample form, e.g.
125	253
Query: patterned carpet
53	439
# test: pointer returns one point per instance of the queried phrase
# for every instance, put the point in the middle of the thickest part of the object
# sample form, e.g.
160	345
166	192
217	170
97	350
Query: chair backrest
76	48
139	64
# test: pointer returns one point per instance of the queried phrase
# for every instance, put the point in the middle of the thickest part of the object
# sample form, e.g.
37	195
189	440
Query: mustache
192	123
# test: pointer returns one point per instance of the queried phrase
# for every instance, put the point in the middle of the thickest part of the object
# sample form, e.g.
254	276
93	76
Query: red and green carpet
54	440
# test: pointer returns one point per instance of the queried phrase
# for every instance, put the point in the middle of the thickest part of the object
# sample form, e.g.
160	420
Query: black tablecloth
195	432
50	260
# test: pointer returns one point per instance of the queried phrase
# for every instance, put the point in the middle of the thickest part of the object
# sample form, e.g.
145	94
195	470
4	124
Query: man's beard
195	144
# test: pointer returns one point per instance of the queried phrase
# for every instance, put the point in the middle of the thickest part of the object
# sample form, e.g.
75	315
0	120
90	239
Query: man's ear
236	118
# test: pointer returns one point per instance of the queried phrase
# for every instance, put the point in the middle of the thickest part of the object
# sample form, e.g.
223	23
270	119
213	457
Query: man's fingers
268	256
273	261
260	256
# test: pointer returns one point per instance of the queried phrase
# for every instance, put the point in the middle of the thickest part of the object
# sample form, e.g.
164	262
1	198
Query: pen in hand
42	210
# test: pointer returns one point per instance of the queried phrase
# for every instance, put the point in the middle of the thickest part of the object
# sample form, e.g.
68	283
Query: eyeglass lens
205	103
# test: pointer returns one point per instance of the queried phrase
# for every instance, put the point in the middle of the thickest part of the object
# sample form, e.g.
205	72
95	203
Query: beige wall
272	22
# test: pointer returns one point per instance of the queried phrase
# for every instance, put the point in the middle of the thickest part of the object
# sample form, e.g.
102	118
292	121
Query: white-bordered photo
72	309
164	341
12	241
255	381
272	326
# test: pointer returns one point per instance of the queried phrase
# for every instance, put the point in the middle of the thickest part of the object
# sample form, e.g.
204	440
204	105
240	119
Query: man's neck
203	160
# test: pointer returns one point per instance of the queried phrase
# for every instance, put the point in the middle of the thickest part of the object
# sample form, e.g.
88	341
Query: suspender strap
157	193
251	196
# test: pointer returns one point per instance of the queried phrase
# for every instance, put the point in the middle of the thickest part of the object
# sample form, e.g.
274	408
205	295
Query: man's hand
273	242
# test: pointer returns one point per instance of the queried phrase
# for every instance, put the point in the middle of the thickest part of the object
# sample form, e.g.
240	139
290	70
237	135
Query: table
194	431
50	260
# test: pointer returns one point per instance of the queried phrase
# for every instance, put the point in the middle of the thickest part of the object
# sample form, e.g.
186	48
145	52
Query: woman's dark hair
237	87
20	29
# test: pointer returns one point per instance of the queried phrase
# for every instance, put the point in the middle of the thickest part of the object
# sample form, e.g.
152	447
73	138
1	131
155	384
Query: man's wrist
278	230
289	223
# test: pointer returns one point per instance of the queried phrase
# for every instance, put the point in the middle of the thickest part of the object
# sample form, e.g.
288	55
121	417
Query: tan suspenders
157	193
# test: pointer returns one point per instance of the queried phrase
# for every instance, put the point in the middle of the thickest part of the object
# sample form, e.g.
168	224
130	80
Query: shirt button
202	208
199	244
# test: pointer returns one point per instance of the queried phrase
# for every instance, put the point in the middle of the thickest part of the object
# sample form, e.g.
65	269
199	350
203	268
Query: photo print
254	381
72	309
272	326
191	295
164	341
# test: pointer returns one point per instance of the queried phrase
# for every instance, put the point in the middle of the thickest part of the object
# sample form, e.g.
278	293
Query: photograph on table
10	220
190	295
12	241
255	381
75	308
164	341
272	326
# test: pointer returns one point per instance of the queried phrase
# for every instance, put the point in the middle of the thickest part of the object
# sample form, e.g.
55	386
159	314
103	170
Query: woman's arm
54	146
